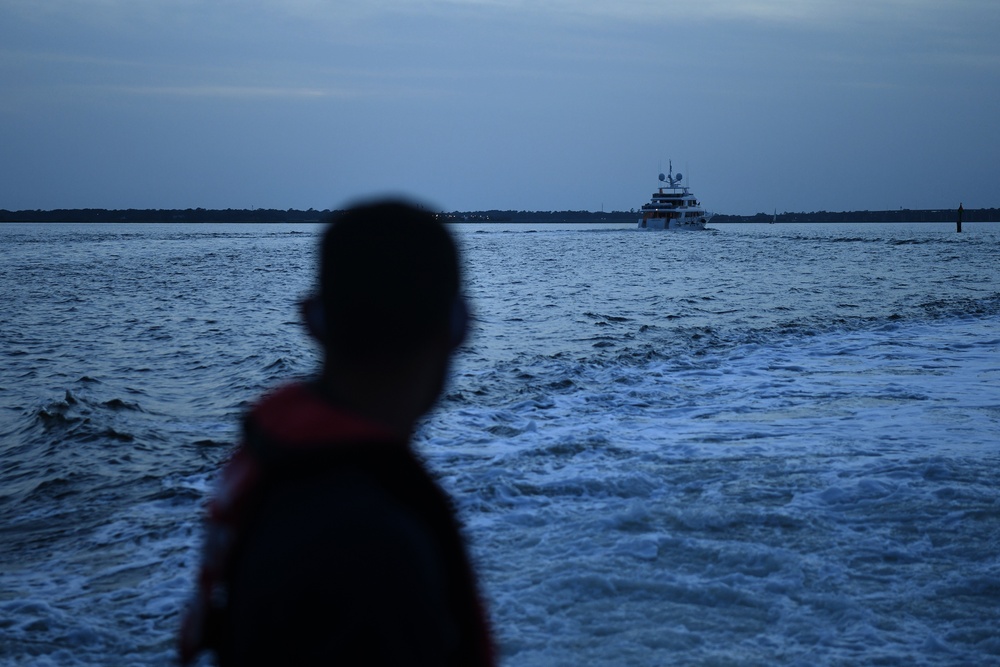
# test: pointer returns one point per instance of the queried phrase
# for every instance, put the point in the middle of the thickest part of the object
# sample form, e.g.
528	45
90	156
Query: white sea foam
814	501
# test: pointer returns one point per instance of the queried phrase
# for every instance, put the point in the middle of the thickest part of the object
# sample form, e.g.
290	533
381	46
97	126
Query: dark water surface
770	444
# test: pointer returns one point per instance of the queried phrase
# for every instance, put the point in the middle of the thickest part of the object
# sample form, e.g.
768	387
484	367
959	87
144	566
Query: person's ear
313	317
458	325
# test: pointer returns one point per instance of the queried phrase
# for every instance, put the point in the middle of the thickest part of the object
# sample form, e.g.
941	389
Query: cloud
245	92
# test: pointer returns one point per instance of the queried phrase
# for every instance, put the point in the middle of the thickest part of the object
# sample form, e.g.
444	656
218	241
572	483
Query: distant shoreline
246	216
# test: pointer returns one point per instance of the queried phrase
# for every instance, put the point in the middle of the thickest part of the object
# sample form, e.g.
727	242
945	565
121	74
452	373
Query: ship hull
684	224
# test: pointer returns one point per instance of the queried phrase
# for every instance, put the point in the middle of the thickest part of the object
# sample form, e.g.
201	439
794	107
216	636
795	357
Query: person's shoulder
345	508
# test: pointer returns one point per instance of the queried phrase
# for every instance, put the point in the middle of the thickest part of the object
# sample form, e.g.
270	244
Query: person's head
389	286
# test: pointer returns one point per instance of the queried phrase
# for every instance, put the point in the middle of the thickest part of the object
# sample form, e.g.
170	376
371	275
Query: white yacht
673	206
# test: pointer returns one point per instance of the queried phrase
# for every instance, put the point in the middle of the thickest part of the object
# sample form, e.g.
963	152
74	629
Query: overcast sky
787	105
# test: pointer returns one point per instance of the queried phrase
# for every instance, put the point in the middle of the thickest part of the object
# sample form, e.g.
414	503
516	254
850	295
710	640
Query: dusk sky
787	105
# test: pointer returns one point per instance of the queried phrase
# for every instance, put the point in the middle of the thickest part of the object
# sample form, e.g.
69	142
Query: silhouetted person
327	541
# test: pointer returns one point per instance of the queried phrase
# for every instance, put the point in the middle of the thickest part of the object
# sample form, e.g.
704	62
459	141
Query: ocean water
753	445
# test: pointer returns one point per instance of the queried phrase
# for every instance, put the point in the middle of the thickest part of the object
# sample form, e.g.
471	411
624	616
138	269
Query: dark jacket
329	543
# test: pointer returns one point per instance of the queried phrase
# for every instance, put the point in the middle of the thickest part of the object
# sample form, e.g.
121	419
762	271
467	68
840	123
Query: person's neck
379	407
393	400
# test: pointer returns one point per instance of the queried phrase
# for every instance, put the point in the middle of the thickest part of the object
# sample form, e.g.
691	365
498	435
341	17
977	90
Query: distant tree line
164	215
901	215
539	216
264	215
290	215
